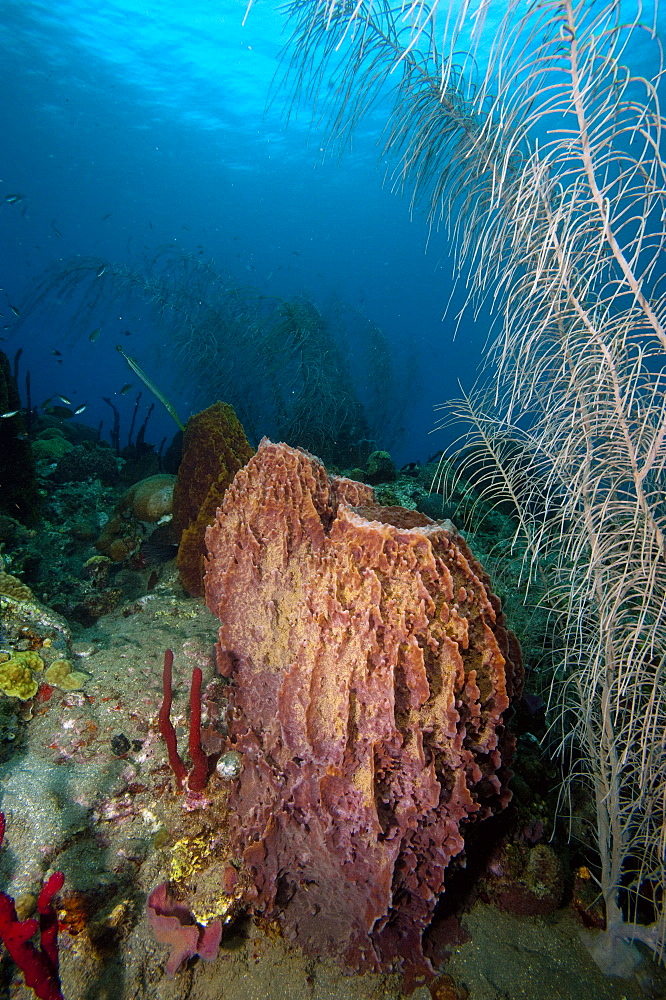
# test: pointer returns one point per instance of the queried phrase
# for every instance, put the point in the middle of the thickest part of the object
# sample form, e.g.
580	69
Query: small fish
11	199
66	401
57	354
126	388
80	409
127	333
9	413
107	216
14	310
101	270
95	334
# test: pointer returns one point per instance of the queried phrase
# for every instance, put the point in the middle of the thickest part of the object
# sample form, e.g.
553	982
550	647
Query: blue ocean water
130	127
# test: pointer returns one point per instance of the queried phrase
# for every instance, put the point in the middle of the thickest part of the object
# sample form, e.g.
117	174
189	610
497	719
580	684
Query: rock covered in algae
30	637
150	501
27	623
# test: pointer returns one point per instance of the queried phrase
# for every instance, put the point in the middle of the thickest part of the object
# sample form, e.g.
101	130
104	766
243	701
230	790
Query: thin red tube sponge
165	723
198	777
371	671
199	773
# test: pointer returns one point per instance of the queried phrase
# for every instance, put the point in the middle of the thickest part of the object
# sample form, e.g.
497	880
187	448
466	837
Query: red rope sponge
165	724
39	965
198	776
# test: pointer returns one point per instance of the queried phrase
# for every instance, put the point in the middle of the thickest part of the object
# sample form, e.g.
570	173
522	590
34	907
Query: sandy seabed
74	804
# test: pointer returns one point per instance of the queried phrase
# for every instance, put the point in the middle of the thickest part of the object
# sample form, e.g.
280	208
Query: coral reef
523	879
88	460
51	446
380	468
147	502
27	625
12	586
150	499
60	674
27	628
214	449
371	671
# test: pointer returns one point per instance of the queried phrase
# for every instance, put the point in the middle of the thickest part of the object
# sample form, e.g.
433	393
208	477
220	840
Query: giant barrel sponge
370	671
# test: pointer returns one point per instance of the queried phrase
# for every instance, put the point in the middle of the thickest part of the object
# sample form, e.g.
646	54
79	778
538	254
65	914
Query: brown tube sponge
371	671
214	449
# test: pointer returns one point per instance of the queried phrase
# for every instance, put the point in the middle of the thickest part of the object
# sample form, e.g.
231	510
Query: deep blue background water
128	127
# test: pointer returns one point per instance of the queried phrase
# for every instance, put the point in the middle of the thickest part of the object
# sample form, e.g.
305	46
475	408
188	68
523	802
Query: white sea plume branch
544	158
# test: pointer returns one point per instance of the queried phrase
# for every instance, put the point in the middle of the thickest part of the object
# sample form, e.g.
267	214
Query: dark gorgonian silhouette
521	126
317	377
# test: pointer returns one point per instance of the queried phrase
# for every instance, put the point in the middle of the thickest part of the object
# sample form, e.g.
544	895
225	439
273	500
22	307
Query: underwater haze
131	128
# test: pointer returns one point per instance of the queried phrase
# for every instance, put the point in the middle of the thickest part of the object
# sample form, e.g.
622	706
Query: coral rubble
371	672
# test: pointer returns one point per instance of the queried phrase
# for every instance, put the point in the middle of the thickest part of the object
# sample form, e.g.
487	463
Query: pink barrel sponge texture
371	671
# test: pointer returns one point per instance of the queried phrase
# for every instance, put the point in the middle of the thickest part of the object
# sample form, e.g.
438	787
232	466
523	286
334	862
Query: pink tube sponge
371	671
